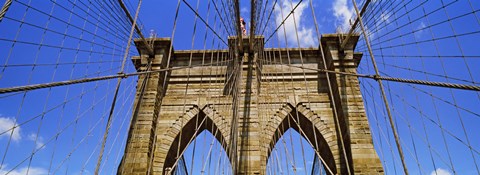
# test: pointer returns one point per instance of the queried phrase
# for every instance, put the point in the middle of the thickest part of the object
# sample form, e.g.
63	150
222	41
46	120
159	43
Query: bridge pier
251	158
264	97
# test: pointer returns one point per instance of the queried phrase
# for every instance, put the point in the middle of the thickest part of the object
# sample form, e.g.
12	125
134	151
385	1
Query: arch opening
295	127
199	147
292	154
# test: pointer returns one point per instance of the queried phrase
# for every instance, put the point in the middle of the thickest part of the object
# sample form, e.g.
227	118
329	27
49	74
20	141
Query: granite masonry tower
248	99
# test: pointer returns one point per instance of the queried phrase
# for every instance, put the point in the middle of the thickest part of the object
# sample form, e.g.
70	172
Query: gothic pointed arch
196	120
311	127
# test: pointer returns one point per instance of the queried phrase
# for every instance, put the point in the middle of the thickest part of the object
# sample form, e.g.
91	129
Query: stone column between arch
138	150
350	106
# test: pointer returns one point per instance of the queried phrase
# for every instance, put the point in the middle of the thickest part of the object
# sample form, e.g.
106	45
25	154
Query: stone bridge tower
267	96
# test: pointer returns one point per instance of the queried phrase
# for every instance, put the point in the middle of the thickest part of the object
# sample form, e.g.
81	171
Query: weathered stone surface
272	97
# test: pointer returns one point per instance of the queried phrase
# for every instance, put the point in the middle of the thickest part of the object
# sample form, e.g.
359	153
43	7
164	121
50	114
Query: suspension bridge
239	87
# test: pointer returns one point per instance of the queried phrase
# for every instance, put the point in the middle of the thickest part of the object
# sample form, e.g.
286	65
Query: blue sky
421	44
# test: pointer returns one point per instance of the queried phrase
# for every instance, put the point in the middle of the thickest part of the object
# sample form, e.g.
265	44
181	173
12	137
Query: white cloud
244	11
6	124
419	30
300	169
343	13
23	171
440	171
305	33
385	17
39	143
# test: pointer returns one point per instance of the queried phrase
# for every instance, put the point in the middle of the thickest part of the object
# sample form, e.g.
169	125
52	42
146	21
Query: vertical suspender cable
384	96
330	90
306	90
119	80
237	21
236	82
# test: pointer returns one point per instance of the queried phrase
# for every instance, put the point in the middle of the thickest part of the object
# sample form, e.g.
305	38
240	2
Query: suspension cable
119	80
392	125
137	29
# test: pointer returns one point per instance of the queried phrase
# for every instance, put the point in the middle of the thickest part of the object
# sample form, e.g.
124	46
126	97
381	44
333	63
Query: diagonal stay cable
352	28
203	20
134	24
283	21
384	96
221	19
329	83
269	16
117	87
187	86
